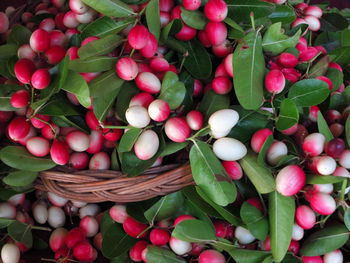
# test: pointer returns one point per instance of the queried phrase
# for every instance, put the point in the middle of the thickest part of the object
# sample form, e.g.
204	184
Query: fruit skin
134	228
222	121
290	180
182	218
216	32
326	165
137	116
24	69
233	169
4	22
335	147
118	213
39	40
179	247
287	60
159	110
275	81
194	120
211	256
136	250
313	144
148	82
191	4
90	225
229	149
41	78
100	161
276	152
10	253
222	85
7	210
146	145
314	259
78	141
243	235
259	138
335	256
323	204
57	239
305	217
18	128
127	69
83	251
298	232
177	129
138	37
56	217
74	236
20	98
216	10
59	152
159	237
38	146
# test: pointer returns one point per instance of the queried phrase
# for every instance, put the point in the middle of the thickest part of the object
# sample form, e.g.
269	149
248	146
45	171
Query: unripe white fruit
89	210
40	213
229	149
223	120
90	225
10	253
335	256
146	145
276	152
298	232
313	22
78	204
326	165
179	247
78	141
118	213
159	110
323	188
344	159
341	171
87	17
56	200
100	161
243	235
56	217
137	116
17	199
78	6
7	211
219	134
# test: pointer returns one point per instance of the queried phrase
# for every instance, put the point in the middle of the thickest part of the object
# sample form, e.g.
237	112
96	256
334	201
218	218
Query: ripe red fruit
57	239
150	49
177	129
136	251
290	180
24	69
313	144
211	256
216	32
47	132
314	259
233	169
70	20
84	251
158	110
73	53
159	64
294	247
134	228
323	204
194	120
59	152
142	99
256	202
90	225
18	128
57	38
38	146
91	120
39	40
287	60
78	161
221	85
78	141
148	82
275	81
126	68
48	24
220	228
41	78
96	142
182	218
159	237
216	10
4	22
20	98
100	161
259	138
186	33
112	135
38	123
203	38
313	10
138	37
55	54
191	4
335	65
327	80
74	236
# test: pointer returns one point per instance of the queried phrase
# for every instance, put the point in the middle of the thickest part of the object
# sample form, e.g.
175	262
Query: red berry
216	10
84	251
259	138
59	152
159	237
74	236
24	69
18	128
39	40
275	81
290	180
20	98
216	32
177	129
138	37
134	228
41	78
126	68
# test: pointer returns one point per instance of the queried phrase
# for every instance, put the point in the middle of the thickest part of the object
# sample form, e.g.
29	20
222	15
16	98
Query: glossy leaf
259	175
347	218
249	65
77	85
281	218
240	10
194	19
323	179
194	230
323	127
115	166
4	222
263	151
173	147
57	106
105	83
161	255
19	35
165	207
308	92
210	176
21	232
282	13
336	76
329	40
100	46
18	157
8	50
153	18
20	178
93	64
333	22
235	31
256	222
320	68
113	8
6	91
71	121
248	256
128	140
172	91
325	240
171	29
275	42
340	55
288	115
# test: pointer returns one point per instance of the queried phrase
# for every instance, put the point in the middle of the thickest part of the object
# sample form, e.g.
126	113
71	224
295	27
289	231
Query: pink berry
4	22
186	33
55	54
233	169
313	10
291	130
179	247
89	40
276	152
164	19
138	37
126	68
297	22
134	228
323	204
91	120
57	239
74	236
58	38
150	49
294	247
70	20
73	53
47	132
290	180
216	32
313	22
90	225
78	6
314	259
18	128
59	152
48	24
41	78
136	251
38	146
159	237
275	81
177	129
78	160
223	49
118	213
96	142
335	65
25	51
100	161
194	120
216	10
159	64
336	129
39	123
112	135
148	82
308	54
305	217
220	228
313	144
146	145
39	40
191	4
83	251
203	38
78	141
287	60
222	85
142	99
182	218
228	65
24	69
20	98
158	110
211	256
327	80
259	138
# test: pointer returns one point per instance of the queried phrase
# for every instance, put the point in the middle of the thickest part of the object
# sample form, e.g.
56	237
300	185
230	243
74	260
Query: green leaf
336	76
7	51
106	222
282	13
275	42
71	121
161	255
347	218
240	10
326	240
323	179
323	127
288	116
153	18
58	106
194	230
320	68
128	140
93	64
308	92
209	174
104	26
137	210
248	256
171	29
329	40
19	35
256	222
127	92
173	147
281	217
39	243
4	222
165	207
263	151
115	166
259	175
106	82
172	91
115	241
100	47
212	102
21	232
340	55
347	130
333	22
345	36
194	19
249	66
20	178
235	30
6	91
18	157
77	85
224	212
113	8
198	62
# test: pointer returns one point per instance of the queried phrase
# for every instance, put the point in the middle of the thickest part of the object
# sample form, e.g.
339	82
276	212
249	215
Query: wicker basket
94	186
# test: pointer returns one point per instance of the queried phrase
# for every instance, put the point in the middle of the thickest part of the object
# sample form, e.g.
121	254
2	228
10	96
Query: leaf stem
47	123
42	228
252	20
343	187
132	52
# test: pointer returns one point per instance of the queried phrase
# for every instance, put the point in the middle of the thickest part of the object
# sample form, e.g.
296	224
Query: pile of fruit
253	94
